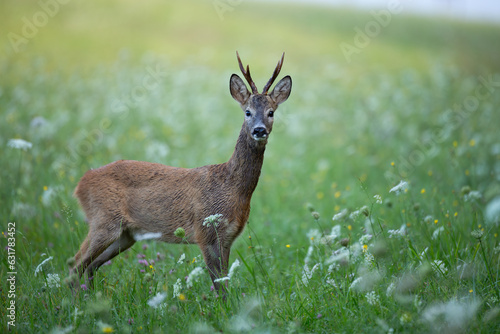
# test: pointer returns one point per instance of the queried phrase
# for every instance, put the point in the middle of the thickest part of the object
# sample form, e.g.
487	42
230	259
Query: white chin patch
146	236
259	138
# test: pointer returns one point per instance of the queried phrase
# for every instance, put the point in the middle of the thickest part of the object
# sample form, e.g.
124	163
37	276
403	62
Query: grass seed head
345	242
478	234
180	233
365	210
465	190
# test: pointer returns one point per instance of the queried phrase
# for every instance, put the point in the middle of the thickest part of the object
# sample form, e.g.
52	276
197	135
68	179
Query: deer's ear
282	90
238	89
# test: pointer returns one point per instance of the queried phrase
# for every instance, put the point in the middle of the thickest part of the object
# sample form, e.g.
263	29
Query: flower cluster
401	188
213	220
232	270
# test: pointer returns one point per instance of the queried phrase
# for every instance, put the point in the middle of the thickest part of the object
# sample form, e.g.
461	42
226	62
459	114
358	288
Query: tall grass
329	247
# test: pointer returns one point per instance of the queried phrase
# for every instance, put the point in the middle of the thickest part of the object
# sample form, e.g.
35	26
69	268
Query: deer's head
258	107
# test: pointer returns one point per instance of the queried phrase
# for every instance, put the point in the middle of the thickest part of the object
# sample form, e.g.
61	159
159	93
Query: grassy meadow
378	206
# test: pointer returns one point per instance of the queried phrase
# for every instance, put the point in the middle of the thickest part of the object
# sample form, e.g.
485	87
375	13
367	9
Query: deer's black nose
259	132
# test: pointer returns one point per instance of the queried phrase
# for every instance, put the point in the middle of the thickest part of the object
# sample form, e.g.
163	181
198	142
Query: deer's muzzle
259	133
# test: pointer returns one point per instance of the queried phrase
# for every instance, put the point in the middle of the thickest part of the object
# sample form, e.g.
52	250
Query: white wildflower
59	330
390	289
473	195
335	234
356	250
341	215
378	199
439	267
24	210
181	259
405	318
48	195
437	232
163	309
356	283
331	281
340	255
157	299
418	302
368	226
314	236
309	254
177	288
38	122
213	220
400	188
372	298
333	267
478	234
398	233
365	238
193	276
244	321
235	265
354	214
492	212
19	144
369	258
53	281
232	270
336	231
428	219
452	316
39	267
383	326
366	281
307	274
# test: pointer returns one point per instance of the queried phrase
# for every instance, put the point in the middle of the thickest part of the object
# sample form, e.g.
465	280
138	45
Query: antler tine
247	76
275	75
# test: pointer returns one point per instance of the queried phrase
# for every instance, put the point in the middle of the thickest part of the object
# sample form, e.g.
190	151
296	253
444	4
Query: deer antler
247	76
275	75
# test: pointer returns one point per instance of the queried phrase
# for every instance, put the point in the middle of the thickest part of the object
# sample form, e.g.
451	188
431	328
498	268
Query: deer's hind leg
102	238
124	242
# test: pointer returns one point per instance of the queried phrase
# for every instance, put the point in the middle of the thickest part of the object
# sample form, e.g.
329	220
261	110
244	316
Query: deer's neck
245	164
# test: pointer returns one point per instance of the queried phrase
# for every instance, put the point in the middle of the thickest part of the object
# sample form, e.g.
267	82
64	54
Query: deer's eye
248	113
270	113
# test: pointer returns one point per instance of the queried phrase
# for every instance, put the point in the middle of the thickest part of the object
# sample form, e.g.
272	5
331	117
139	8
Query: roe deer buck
127	201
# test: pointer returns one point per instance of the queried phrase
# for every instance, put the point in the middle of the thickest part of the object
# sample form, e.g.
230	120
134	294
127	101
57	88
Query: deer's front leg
217	259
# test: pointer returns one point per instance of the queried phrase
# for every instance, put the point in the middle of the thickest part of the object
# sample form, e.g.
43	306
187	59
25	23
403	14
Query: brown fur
126	198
